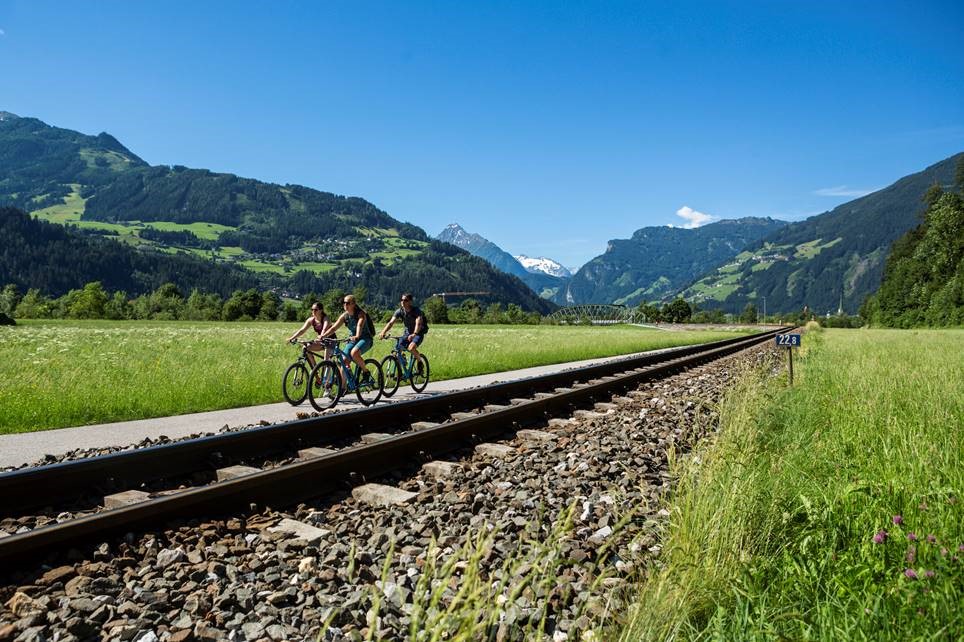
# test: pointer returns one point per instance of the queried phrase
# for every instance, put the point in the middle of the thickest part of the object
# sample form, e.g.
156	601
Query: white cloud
2	32
843	190
694	218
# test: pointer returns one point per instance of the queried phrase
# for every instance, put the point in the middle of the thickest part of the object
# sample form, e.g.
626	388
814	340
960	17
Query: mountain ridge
656	261
833	257
97	185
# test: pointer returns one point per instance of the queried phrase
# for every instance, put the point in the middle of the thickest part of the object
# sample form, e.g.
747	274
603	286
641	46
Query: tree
435	310
33	305
679	311
493	313
9	298
650	312
749	314
270	306
118	307
88	303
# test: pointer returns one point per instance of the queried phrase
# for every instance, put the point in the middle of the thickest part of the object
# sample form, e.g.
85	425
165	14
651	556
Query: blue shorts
403	342
363	345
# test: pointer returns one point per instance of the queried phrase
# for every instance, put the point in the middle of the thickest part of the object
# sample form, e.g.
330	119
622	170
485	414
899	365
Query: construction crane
445	294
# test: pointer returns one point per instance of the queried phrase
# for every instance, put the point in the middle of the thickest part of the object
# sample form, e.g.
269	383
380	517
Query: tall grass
58	373
829	511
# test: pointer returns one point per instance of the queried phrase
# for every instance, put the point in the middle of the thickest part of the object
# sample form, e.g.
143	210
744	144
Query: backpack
369	324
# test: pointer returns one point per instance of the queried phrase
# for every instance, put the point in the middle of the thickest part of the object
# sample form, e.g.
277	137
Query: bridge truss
596	314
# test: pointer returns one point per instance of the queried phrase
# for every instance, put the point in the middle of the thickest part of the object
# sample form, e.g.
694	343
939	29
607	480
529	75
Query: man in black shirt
416	325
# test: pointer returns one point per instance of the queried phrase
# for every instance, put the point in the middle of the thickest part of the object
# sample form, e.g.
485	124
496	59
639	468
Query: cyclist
319	322
415	325
362	330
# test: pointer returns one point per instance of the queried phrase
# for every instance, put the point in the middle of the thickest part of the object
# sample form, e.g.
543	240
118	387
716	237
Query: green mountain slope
827	260
97	185
56	259
657	261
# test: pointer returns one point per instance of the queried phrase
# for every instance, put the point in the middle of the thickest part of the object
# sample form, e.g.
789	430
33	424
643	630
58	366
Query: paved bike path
23	448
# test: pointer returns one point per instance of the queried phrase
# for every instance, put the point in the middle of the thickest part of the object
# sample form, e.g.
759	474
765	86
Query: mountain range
301	240
544	283
828	261
289	236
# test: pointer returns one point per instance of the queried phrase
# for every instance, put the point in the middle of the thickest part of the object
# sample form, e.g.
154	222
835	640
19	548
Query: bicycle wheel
392	373
324	386
294	384
369	382
420	373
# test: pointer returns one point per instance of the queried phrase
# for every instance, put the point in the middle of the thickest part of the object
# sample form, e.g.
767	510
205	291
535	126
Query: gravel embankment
236	579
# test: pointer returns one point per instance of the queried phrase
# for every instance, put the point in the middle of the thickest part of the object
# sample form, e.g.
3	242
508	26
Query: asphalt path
27	448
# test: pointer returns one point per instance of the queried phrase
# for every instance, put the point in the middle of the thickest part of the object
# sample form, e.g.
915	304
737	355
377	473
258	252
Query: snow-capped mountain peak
543	265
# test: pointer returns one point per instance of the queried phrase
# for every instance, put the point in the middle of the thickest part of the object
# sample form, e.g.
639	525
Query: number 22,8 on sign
788	340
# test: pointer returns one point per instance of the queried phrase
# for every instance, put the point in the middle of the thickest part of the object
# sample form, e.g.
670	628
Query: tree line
923	281
169	303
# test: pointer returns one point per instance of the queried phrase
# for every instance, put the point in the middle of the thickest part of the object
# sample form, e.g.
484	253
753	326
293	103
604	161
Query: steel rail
298	481
56	484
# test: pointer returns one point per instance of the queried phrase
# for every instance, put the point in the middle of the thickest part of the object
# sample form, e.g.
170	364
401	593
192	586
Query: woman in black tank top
318	321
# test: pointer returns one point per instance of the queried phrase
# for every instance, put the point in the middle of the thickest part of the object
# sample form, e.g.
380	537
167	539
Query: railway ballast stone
233	472
499	451
314	452
382	495
535	436
373	437
441	469
127	498
299	530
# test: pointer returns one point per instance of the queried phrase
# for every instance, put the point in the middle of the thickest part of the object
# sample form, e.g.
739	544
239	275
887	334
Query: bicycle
327	384
294	383
396	368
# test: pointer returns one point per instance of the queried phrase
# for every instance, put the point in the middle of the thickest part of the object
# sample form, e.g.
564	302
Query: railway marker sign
790	341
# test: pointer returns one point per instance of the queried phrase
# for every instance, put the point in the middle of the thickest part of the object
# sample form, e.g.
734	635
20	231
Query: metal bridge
596	314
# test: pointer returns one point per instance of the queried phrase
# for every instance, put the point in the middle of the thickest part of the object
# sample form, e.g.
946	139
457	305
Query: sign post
789	341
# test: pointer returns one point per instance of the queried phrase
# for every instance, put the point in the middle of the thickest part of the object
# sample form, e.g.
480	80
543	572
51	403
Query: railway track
410	431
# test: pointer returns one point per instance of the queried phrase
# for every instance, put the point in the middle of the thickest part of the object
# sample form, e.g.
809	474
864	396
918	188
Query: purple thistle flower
911	554
931	539
897	519
910	573
912	536
960	548
929	573
880	537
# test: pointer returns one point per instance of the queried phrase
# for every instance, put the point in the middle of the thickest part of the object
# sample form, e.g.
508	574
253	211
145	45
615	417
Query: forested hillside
826	261
54	259
289	235
924	275
657	261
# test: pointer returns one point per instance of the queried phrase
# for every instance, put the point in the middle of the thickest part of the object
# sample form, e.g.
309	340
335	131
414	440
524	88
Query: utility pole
764	309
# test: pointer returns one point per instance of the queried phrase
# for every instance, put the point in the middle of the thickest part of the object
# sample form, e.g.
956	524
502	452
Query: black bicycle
396	368
332	378
294	383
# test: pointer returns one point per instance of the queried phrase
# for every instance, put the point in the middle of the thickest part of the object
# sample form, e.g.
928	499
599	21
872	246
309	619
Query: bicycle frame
351	381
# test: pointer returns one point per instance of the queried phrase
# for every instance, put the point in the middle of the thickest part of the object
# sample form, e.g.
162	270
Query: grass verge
829	511
65	373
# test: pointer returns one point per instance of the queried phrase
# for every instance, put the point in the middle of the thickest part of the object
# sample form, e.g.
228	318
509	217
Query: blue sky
548	128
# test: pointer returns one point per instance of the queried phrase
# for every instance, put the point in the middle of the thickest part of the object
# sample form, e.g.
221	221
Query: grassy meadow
829	511
66	373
